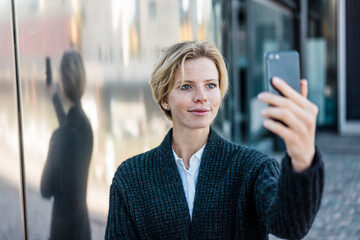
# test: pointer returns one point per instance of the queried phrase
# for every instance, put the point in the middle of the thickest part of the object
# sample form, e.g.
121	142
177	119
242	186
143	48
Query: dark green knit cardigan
240	194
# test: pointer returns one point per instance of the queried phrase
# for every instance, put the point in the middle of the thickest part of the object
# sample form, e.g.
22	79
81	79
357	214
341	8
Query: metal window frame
345	127
19	115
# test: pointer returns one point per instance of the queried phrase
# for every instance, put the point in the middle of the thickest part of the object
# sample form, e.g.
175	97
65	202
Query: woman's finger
278	128
285	116
304	87
288	91
282	102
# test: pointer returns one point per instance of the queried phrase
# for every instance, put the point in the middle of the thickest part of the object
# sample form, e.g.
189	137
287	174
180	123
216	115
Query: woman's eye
211	85
184	87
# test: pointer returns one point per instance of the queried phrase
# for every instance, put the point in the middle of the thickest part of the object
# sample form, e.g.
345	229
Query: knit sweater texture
240	194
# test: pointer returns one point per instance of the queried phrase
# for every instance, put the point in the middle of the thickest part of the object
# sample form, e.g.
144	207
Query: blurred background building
119	41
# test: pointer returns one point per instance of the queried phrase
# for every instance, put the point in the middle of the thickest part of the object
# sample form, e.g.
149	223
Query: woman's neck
186	142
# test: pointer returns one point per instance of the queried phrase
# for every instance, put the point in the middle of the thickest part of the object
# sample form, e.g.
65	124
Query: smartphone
285	65
48	71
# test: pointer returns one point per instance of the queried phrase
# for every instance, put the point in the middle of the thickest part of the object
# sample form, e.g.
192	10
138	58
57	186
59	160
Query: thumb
304	87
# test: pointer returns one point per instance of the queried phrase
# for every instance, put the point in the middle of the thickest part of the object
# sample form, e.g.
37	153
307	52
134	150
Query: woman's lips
200	111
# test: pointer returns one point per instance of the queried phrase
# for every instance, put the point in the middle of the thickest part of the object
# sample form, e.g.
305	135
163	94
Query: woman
196	185
67	166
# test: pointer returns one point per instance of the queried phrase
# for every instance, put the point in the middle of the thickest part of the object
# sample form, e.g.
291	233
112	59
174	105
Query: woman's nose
200	95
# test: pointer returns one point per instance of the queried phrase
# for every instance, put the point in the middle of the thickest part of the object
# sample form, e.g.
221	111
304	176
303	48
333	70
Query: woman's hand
299	116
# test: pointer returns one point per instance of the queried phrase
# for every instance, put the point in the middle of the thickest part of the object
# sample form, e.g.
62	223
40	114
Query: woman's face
194	103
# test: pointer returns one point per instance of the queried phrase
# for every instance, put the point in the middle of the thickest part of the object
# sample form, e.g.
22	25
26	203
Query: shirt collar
198	154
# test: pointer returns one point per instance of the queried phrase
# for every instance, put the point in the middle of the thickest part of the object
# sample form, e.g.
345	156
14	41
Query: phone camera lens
271	57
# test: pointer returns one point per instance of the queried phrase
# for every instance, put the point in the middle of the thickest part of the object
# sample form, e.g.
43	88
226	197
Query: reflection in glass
119	41
67	166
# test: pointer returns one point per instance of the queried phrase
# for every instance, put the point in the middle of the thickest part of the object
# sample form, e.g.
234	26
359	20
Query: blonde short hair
72	75
174	57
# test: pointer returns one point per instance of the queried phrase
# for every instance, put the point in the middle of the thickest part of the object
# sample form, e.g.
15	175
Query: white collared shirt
189	176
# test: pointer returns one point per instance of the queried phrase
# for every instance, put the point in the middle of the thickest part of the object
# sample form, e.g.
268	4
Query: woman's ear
165	105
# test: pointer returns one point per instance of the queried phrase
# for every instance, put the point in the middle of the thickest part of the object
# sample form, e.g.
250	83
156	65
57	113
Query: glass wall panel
322	60
271	30
72	150
10	203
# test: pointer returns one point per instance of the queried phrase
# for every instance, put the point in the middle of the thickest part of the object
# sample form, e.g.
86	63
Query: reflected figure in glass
67	166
